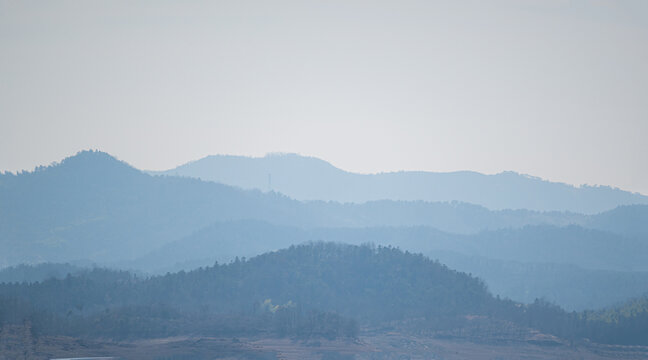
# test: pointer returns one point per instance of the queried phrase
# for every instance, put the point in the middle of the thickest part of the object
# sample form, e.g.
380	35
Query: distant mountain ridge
586	248
309	178
93	207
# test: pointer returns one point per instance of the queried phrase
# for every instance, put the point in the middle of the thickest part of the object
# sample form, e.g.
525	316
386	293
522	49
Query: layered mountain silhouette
309	178
309	291
575	245
574	267
92	206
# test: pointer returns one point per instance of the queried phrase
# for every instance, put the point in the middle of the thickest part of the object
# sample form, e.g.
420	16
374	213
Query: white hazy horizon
552	88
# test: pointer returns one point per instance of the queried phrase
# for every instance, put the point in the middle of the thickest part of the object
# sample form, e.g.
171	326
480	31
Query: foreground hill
574	267
366	284
358	281
308	178
309	291
580	269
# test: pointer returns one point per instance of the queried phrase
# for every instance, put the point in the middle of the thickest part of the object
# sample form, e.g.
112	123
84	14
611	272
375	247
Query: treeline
325	289
154	321
314	290
39	272
368	283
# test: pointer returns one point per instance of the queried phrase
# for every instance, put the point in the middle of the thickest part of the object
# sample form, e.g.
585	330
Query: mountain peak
90	155
87	163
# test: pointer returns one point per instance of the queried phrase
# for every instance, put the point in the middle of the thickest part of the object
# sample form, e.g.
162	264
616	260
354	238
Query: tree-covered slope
39	272
319	285
570	286
574	267
361	281
319	289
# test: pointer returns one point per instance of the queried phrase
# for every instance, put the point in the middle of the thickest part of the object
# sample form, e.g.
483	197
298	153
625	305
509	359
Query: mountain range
309	178
94	209
92	206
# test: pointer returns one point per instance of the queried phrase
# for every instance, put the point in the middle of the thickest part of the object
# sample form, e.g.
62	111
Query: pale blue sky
556	89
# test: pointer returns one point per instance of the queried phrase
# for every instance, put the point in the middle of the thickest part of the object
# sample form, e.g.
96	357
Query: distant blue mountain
575	245
308	178
94	207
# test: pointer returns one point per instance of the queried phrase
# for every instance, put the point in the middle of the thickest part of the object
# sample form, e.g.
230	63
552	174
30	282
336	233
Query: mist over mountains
94	209
93	247
575	267
476	187
309	178
317	290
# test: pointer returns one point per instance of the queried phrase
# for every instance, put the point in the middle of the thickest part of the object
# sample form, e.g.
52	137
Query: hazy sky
556	89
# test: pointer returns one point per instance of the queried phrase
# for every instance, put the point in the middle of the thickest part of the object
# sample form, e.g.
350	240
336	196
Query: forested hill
308	178
365	282
575	267
319	288
361	281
